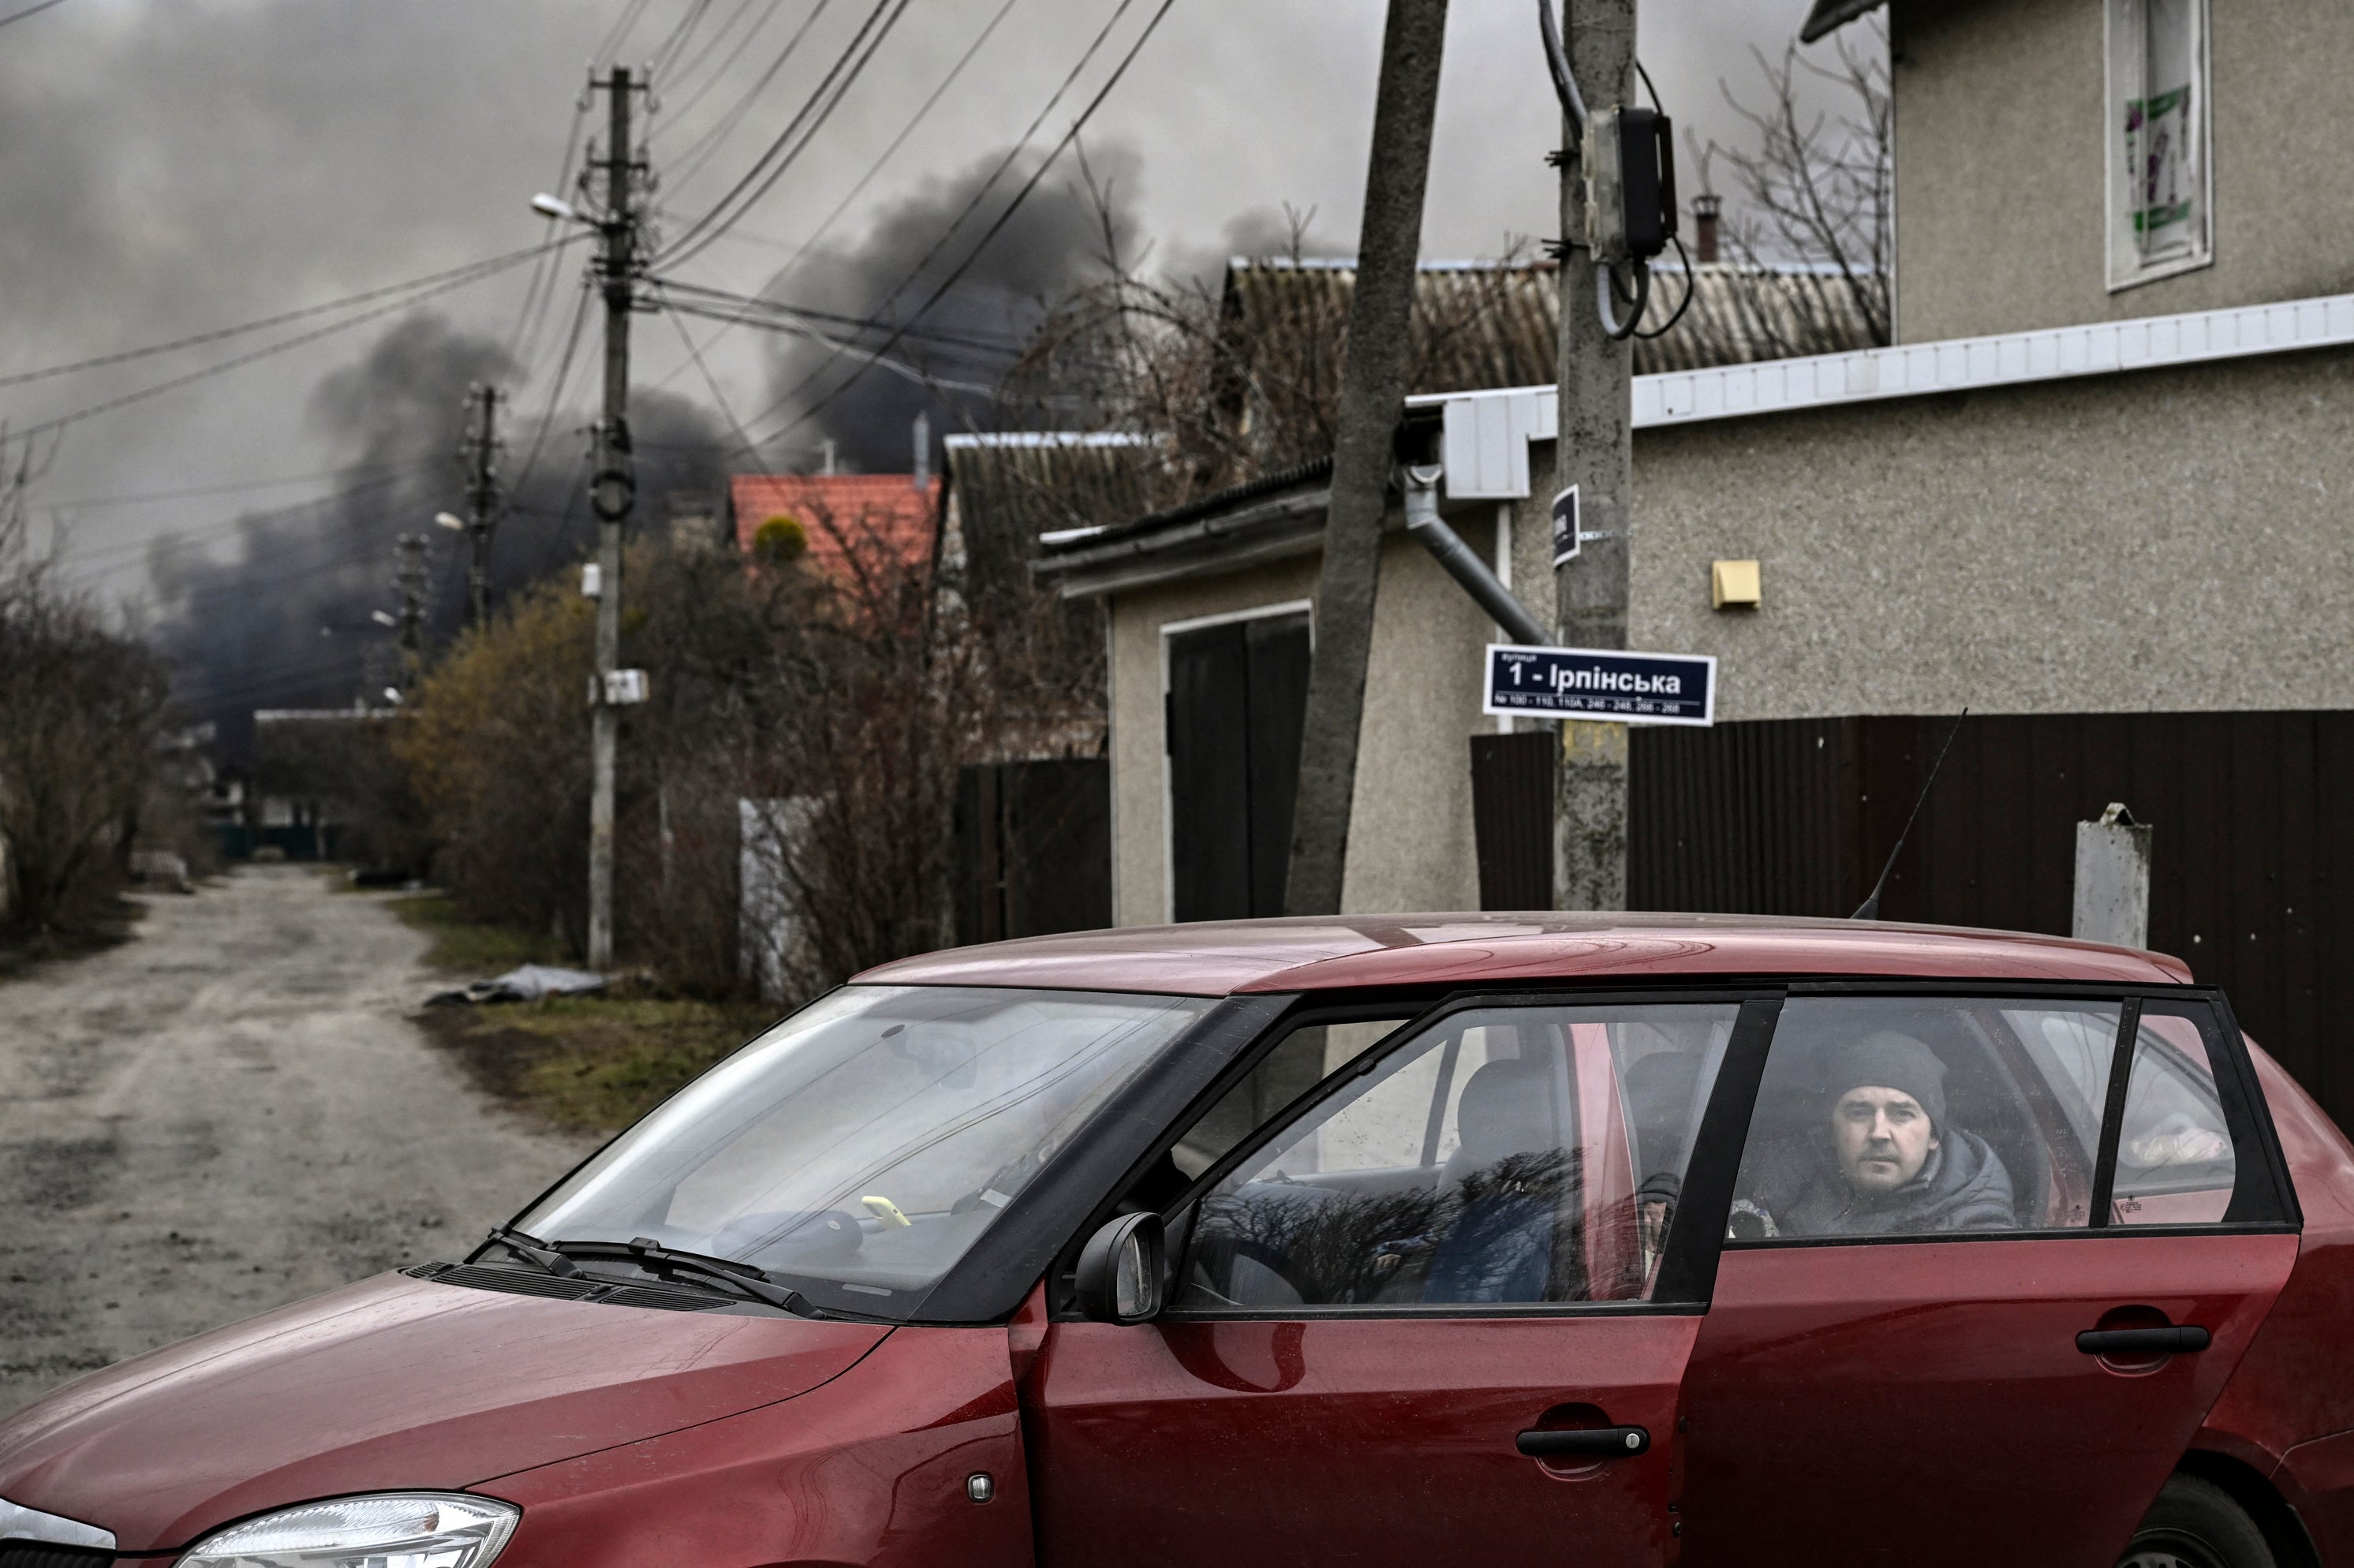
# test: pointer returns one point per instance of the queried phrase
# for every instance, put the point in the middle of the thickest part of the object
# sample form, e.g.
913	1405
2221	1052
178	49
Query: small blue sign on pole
1601	684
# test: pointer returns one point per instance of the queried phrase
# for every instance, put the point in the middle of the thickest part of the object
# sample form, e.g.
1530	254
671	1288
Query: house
858	531
2095	491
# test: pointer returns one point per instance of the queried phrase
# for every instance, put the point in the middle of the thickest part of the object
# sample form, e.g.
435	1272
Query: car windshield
859	1149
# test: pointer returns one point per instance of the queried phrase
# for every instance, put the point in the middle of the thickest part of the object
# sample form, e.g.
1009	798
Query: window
862	1148
2160	181
1300	1061
1911	1115
1503	1156
2176	1163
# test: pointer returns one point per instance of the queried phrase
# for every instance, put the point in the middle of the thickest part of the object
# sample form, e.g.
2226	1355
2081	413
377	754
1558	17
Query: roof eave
1829	15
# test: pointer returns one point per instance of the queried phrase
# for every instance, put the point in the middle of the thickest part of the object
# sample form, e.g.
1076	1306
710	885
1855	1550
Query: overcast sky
172	166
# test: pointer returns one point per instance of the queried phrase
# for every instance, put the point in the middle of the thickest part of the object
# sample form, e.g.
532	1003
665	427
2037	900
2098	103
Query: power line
980	195
220	334
946	337
481	272
772	162
92	503
972	256
623	26
687	23
896	366
710	47
698	151
103	556
31	11
555	393
899	140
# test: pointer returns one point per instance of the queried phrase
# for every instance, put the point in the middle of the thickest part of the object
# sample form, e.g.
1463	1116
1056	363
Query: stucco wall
2000	188
2158	541
1410	839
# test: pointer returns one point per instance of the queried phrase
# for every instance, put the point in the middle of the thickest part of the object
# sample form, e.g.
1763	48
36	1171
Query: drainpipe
1462	563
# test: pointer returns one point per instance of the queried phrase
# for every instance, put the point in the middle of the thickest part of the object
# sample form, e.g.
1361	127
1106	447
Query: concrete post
1596	453
2113	880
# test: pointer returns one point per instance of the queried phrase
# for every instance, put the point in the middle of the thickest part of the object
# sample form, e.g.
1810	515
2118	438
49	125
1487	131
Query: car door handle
1590	1443
2170	1342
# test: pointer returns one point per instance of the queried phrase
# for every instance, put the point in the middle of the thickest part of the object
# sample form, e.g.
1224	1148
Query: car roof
1223	958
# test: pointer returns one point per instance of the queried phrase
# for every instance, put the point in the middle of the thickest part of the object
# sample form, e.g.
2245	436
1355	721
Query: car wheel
2195	1524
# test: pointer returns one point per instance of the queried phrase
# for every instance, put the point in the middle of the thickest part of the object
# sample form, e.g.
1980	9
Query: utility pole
410	581
480	449
1595	454
613	493
1372	394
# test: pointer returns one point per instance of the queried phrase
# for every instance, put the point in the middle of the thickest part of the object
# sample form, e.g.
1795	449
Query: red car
1614	1241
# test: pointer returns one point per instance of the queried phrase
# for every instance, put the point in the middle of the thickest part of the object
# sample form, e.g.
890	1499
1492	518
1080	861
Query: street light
382	618
451	521
556	207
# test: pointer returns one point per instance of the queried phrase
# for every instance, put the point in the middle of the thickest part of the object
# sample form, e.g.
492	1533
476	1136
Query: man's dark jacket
1962	1186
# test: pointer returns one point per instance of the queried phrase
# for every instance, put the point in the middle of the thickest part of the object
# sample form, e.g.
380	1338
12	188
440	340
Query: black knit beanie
1888	1060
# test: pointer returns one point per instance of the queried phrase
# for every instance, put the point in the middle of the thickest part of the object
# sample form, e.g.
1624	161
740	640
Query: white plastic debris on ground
529	983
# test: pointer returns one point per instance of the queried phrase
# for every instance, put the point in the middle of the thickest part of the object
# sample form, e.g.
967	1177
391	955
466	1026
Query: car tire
2195	1524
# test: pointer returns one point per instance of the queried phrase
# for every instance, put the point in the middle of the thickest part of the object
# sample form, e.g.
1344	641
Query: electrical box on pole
1629	162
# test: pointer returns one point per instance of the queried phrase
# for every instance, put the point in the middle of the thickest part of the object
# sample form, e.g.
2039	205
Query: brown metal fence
1033	848
2253	876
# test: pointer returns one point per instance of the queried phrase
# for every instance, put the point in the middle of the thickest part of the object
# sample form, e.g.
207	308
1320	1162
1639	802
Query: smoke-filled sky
168	167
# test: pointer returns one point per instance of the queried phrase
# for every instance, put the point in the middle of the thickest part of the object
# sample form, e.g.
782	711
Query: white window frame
2127	58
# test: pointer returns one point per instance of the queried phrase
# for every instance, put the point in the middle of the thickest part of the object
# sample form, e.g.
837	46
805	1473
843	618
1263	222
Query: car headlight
392	1529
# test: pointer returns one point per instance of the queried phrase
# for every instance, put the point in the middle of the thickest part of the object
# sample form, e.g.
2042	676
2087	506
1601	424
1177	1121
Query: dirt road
227	1113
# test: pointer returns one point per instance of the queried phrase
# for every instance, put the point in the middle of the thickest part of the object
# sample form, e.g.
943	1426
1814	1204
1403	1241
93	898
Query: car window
1505	1156
860	1149
1911	1116
2176	1163
1299	1062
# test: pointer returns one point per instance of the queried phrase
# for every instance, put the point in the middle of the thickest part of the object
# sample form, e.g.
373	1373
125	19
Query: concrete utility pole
1596	453
410	581
1372	393
481	452
612	493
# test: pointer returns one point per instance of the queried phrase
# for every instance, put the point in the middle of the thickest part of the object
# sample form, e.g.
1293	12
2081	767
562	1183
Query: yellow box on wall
1733	585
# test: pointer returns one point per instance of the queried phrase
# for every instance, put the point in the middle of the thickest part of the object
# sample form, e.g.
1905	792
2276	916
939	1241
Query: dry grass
594	1063
470	946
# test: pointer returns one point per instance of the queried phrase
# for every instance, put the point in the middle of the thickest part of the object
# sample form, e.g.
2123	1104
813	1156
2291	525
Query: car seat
1502	1185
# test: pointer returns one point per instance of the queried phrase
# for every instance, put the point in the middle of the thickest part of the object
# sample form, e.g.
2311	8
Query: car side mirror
1121	1269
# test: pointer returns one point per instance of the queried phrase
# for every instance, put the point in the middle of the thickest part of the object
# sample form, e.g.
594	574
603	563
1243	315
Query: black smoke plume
288	620
1075	224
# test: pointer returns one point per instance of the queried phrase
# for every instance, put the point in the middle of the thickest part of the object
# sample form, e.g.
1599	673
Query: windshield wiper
531	1249
717	1270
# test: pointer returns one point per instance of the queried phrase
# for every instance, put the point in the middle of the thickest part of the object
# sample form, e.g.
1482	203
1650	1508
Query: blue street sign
1598	683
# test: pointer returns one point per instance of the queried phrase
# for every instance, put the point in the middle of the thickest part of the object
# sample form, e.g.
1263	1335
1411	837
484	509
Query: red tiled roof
854	520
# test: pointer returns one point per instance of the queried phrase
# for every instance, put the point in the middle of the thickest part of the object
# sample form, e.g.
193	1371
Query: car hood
391	1384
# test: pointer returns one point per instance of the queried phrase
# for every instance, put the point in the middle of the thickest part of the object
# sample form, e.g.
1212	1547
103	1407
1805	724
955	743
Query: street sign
1566	540
1601	684
620	688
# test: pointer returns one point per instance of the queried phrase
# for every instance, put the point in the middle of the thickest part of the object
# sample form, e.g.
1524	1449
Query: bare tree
1820	185
81	710
1238	381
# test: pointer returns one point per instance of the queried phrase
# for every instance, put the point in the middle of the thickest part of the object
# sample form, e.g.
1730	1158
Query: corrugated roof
1011	488
1482	325
854	520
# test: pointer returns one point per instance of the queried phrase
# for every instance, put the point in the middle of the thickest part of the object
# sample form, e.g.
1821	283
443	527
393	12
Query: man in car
1885	1160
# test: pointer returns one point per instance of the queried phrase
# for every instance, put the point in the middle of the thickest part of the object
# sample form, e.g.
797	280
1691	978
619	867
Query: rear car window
2177	1164
1917	1116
